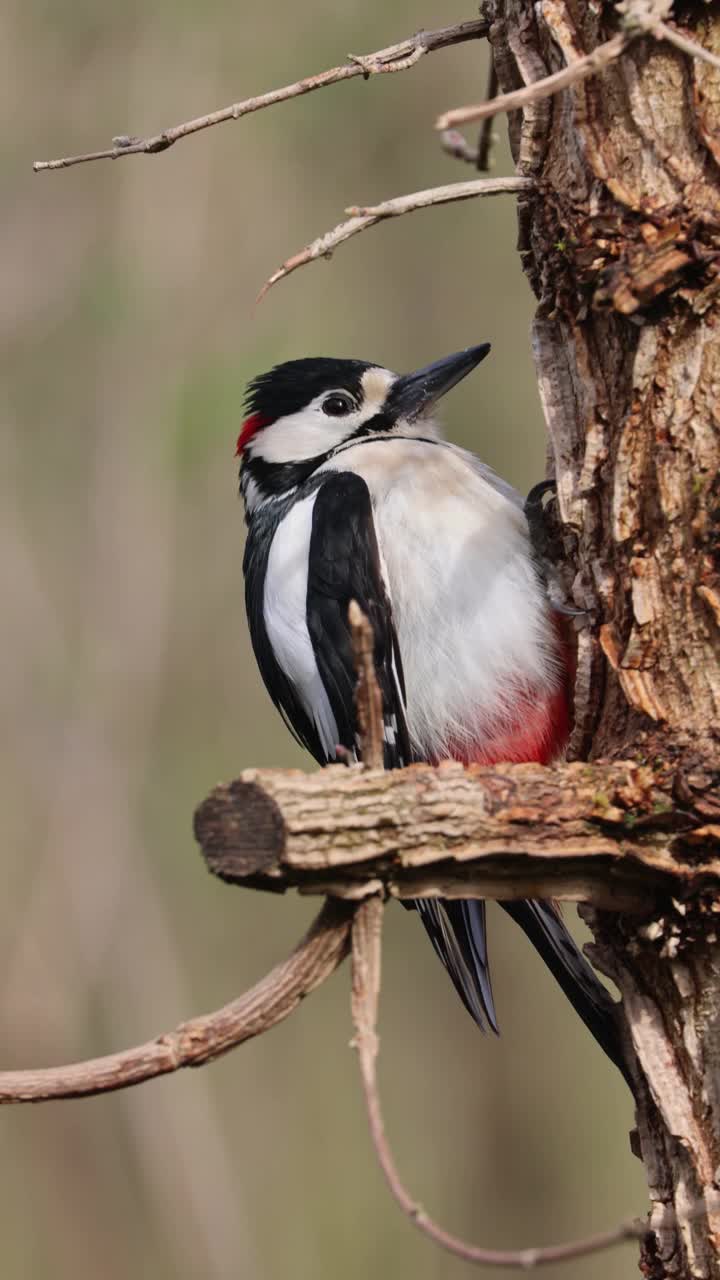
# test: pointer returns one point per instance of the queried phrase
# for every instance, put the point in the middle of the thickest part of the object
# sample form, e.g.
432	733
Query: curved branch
366	933
397	57
364	217
198	1041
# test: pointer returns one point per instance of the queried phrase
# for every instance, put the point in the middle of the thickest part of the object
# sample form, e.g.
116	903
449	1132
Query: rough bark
605	834
622	247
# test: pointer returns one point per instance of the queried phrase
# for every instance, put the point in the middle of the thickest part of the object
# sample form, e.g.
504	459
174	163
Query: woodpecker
351	492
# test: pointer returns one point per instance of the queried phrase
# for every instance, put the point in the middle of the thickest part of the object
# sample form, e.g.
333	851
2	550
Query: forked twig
198	1041
396	57
366	954
368	216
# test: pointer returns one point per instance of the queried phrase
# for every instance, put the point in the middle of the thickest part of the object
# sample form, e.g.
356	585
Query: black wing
456	928
344	565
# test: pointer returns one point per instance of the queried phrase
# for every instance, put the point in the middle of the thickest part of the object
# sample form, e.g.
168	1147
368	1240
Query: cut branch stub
242	834
608	834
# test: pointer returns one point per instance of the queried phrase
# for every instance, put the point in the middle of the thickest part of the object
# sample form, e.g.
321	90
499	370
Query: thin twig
368	698
397	57
664	31
589	65
441	195
193	1043
485	141
366	957
364	217
457	145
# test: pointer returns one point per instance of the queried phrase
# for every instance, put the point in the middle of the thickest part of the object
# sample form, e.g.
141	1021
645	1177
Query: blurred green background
127	685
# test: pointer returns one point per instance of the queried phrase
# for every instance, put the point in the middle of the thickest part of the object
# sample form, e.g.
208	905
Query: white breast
471	616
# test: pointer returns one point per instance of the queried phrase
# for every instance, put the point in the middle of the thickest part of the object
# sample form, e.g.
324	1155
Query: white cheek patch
300	436
311	432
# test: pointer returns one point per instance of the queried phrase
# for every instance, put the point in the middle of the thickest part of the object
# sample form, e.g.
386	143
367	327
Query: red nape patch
250	426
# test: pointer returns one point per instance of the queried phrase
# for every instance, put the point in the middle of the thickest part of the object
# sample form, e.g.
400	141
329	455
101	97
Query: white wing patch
284	608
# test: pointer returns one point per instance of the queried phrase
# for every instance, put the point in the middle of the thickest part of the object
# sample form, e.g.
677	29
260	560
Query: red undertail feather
541	729
539	736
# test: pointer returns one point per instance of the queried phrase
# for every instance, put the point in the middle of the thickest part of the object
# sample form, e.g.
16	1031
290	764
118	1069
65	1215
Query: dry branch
366	960
590	65
457	145
691	47
606	834
202	1039
364	217
396	57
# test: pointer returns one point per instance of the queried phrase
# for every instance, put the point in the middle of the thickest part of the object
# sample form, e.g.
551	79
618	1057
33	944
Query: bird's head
300	412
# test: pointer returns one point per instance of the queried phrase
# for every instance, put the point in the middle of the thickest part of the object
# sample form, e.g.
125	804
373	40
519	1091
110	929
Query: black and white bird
351	492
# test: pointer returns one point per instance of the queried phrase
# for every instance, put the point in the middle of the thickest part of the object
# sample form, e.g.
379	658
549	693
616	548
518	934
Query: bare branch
362	218
589	65
397	57
665	32
198	1041
457	145
366	957
368	698
442	195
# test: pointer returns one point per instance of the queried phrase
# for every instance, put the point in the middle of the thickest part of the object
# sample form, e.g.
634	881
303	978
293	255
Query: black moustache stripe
273	479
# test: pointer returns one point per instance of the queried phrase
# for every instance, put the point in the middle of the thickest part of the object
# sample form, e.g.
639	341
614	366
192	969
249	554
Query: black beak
415	392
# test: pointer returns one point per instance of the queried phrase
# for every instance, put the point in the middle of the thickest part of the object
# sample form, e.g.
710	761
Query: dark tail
546	930
458	934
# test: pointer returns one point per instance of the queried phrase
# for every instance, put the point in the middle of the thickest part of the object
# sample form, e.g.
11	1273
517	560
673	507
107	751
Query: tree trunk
621	242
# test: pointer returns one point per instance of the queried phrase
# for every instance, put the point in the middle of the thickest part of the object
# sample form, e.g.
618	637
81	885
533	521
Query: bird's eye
338	404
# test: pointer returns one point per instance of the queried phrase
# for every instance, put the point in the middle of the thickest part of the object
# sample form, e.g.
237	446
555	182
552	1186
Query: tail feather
458	933
544	927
